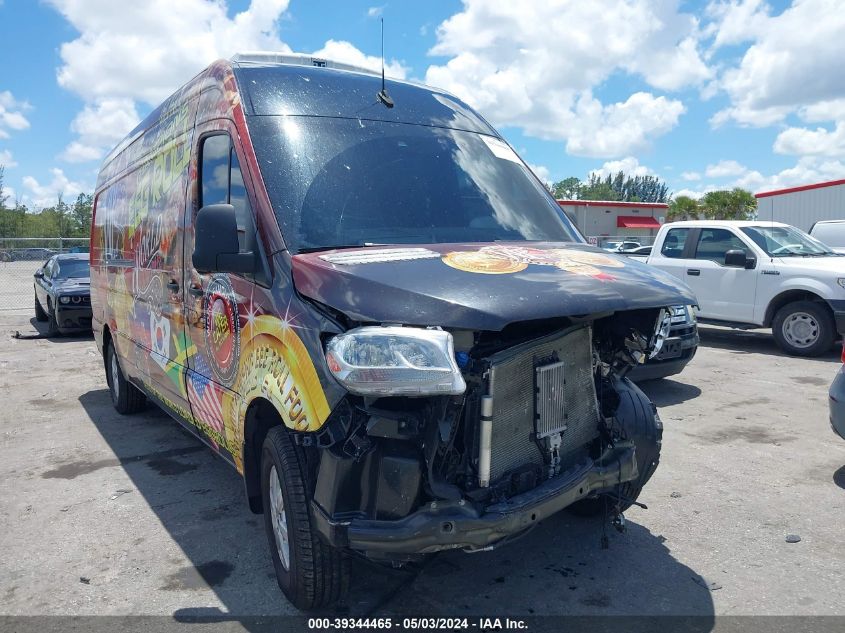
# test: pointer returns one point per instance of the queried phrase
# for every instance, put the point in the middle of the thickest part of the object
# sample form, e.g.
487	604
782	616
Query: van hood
481	286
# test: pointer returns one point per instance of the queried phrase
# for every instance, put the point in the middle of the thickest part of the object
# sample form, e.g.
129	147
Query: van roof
265	58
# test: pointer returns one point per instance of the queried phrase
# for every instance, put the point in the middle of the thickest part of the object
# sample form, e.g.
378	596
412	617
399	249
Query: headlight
661	331
393	361
841	281
64	299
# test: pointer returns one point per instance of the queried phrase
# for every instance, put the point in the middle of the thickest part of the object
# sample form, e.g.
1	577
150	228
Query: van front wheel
125	396
310	572
804	328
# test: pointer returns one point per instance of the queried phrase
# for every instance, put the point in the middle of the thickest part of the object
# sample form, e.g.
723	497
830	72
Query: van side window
673	245
223	183
714	243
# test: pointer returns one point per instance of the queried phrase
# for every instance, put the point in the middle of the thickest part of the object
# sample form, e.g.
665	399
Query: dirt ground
104	514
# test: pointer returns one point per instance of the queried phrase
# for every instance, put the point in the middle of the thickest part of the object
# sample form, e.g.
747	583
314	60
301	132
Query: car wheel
125	396
40	315
804	328
309	571
52	324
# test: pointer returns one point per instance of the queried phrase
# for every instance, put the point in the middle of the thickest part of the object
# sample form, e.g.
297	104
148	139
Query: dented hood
481	286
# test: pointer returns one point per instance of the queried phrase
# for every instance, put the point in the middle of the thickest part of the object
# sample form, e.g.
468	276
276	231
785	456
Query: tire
804	328
310	572
125	396
40	315
638	419
52	324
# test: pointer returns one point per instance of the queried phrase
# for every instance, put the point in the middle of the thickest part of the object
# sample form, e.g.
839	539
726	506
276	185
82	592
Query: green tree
619	187
3	196
736	204
683	208
567	189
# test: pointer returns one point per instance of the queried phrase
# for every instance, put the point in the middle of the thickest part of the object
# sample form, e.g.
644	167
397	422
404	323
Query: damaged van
356	293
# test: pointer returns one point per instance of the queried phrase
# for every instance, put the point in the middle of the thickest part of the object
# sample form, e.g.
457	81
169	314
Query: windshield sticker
499	260
500	149
378	256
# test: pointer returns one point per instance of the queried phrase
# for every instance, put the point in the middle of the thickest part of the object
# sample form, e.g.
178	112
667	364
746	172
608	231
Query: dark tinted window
714	243
673	245
342	182
222	182
68	268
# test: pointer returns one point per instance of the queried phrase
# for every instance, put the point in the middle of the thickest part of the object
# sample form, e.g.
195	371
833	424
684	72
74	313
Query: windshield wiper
316	249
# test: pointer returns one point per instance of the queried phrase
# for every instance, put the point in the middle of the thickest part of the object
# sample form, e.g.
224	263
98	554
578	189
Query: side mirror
39	274
736	258
216	242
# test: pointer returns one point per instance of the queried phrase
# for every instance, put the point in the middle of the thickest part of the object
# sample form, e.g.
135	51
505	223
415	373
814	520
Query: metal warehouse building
606	219
803	206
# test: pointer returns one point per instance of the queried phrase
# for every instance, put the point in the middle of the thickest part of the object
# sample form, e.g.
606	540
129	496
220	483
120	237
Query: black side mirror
39	274
216	242
736	258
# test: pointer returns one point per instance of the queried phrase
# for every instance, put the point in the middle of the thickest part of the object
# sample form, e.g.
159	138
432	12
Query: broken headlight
395	361
661	331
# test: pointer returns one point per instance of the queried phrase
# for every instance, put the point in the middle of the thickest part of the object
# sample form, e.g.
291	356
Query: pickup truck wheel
309	571
804	328
40	315
125	396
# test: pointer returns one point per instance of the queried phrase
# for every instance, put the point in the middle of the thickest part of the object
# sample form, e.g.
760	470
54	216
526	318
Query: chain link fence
614	241
20	257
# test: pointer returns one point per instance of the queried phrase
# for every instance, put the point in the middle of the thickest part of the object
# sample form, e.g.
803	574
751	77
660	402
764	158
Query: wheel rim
801	329
277	514
115	374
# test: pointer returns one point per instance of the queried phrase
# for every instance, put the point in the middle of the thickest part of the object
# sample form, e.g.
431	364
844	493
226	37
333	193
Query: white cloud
542	172
376	12
795	61
736	21
6	159
690	175
346	52
11	114
45	195
833	110
630	165
544	85
618	128
130	53
808	170
725	169
806	142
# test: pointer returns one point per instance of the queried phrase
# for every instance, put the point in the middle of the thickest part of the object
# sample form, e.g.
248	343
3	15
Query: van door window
673	245
714	243
223	183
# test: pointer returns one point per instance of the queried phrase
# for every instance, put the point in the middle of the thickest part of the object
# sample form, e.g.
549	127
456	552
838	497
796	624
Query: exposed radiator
542	388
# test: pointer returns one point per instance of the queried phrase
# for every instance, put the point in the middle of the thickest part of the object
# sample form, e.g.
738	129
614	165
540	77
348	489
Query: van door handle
695	272
197	291
174	287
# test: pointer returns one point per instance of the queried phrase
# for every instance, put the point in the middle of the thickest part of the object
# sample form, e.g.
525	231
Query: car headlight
841	281
661	331
64	299
393	361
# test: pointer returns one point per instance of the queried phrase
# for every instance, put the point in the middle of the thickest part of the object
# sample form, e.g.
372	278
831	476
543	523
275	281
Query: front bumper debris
460	525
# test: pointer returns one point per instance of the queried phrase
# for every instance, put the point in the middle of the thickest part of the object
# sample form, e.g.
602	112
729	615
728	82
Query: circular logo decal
478	262
222	329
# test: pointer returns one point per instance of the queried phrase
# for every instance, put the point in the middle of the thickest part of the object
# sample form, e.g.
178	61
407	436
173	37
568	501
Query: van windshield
337	183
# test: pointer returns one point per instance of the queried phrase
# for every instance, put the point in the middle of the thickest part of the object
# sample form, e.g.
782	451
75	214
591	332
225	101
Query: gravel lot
102	514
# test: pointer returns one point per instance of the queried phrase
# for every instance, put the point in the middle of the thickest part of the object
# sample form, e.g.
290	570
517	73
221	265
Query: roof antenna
382	95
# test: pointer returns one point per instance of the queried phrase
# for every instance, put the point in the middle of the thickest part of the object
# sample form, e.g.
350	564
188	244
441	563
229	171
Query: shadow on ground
38	330
666	392
559	568
752	342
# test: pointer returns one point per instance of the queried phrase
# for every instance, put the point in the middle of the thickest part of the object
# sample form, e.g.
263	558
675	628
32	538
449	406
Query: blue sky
705	95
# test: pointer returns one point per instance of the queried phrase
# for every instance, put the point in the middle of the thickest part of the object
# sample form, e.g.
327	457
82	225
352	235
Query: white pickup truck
759	274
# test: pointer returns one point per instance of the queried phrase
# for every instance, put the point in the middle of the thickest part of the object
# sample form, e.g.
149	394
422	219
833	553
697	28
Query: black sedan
62	293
